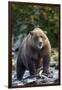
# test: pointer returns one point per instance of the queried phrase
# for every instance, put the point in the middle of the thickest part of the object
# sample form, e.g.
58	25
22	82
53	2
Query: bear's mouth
40	43
40	46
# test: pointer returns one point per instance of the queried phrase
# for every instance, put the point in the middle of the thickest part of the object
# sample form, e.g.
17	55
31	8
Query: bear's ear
31	32
45	32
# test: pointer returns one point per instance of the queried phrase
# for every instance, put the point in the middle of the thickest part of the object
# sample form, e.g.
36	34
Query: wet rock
53	65
57	66
56	81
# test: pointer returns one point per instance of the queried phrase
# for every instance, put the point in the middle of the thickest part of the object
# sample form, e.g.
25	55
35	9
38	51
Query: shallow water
42	79
53	78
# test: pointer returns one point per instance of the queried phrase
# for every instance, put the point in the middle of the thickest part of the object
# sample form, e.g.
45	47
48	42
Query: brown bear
34	47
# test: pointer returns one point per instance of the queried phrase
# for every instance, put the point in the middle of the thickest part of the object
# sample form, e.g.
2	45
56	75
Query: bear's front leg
46	64
20	69
32	68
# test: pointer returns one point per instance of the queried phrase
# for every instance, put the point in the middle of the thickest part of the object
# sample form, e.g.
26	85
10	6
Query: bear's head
38	38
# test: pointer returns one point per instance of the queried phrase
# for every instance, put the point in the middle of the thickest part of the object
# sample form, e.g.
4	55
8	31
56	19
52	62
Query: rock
18	41
56	81
52	65
57	66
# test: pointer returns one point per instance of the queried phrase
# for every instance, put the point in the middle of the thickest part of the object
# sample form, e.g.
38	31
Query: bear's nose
40	43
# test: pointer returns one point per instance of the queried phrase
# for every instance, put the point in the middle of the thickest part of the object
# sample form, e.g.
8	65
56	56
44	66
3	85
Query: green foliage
25	17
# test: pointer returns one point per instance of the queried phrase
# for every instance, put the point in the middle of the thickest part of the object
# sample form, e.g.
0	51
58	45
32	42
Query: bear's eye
41	36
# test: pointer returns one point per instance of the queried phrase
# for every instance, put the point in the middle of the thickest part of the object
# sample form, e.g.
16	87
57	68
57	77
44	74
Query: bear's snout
40	43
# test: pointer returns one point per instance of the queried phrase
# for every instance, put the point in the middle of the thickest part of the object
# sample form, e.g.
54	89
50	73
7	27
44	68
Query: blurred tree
25	17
